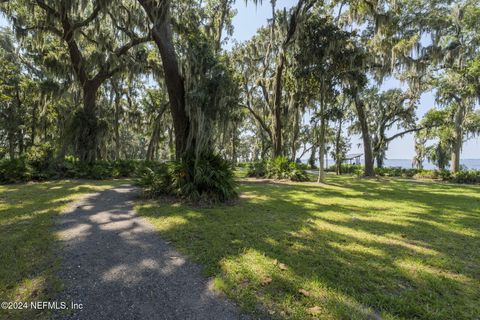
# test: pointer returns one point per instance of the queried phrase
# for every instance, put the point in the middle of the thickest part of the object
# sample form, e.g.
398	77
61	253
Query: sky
250	17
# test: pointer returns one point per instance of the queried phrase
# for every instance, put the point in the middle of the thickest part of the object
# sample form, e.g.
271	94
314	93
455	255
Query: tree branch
90	18
48	9
403	133
134	42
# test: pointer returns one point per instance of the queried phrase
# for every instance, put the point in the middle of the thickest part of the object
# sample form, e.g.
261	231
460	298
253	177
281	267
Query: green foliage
426	174
29	255
38	165
15	170
208	180
277	168
346	168
389	243
464	176
469	177
396	172
256	169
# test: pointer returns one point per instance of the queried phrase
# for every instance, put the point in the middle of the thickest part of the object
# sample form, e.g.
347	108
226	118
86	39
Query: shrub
99	170
409	173
155	181
15	170
124	168
38	164
346	168
277	168
464	176
426	174
359	171
445	175
40	159
396	172
302	166
256	169
209	179
245	164
470	177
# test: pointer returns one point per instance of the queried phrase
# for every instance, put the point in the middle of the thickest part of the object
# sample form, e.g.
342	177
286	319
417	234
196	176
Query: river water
469	164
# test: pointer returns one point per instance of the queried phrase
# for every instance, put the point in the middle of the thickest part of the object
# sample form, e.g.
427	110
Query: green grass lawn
28	253
351	249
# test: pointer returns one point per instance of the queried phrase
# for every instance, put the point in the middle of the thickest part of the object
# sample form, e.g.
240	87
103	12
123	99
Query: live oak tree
10	101
265	64
193	103
328	57
99	37
391	109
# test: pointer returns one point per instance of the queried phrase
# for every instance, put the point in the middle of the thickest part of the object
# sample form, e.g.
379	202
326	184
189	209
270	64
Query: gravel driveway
117	267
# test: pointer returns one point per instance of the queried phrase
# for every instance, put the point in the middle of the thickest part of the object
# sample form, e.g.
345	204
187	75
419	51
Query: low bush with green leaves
345	168
463	176
278	168
209	179
426	174
256	169
39	166
468	176
396	172
15	170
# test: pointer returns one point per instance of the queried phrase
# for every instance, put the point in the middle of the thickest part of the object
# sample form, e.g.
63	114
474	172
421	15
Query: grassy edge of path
353	248
29	254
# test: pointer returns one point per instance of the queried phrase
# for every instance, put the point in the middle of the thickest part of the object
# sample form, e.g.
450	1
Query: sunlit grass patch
349	249
28	256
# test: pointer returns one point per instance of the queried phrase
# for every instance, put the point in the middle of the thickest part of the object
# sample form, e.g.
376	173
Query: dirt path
117	267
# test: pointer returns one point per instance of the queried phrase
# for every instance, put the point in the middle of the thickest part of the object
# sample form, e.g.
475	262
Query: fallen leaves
244	283
316	310
266	281
280	265
305	292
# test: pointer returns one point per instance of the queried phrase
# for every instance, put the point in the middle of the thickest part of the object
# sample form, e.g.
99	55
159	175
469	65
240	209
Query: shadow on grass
363	248
27	254
115	264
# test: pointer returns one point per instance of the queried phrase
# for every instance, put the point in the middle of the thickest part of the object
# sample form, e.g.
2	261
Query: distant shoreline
470	164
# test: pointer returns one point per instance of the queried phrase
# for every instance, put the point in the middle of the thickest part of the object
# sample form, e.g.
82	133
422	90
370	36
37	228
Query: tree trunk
338	159
221	23
277	107
171	146
321	142
162	35
21	144
11	143
296	129
311	160
87	139
367	144
152	145
33	126
458	140
379	160
117	125
321	153
20	132
234	144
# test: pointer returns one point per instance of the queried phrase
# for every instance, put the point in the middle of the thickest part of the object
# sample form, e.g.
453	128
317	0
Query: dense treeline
130	80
